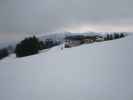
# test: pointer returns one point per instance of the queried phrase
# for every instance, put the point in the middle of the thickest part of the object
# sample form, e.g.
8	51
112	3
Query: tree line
33	45
3	53
114	36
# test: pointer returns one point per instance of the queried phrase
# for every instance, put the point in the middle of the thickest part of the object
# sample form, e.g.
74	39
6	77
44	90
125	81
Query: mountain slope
99	71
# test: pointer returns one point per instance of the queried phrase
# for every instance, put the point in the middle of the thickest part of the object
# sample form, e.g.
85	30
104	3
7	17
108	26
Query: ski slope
98	71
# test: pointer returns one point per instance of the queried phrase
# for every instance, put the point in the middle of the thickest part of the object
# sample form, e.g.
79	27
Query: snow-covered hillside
98	71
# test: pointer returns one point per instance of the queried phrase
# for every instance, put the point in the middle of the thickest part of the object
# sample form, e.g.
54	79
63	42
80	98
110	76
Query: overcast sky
19	16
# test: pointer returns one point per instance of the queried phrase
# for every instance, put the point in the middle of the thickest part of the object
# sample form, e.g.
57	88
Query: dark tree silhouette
116	35
3	53
28	47
122	35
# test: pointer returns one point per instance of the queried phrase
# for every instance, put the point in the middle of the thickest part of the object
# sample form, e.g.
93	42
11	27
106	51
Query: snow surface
98	71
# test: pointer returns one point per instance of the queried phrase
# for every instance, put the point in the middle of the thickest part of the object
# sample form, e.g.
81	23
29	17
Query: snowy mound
99	71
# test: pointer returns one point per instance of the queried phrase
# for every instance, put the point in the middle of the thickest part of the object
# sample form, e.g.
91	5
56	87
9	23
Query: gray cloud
52	15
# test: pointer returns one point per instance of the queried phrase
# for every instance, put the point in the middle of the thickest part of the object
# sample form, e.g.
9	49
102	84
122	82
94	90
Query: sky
19	17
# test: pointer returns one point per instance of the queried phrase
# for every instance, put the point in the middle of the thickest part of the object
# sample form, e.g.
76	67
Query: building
75	40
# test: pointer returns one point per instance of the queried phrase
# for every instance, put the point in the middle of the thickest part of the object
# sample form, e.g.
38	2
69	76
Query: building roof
79	37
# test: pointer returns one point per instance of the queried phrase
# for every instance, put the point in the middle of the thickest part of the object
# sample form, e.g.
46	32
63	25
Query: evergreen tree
122	35
3	53
116	35
110	37
27	47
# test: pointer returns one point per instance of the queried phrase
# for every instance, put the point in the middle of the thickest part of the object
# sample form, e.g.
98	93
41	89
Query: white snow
98	71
